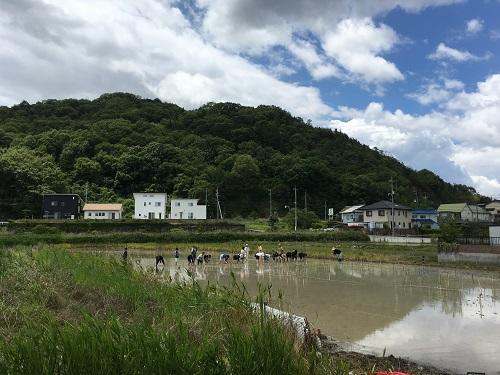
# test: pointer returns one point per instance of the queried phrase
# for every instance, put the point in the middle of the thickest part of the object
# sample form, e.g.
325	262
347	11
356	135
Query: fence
492	241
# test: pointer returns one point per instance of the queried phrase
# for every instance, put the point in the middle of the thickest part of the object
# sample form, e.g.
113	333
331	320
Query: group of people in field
243	254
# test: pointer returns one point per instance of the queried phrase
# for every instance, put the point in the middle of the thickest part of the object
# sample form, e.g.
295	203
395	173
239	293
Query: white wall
103	215
150	205
495	231
186	209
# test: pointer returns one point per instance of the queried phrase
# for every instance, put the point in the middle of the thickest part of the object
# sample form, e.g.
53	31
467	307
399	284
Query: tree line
120	143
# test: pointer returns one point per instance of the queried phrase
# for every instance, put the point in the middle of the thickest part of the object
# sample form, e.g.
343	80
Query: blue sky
419	79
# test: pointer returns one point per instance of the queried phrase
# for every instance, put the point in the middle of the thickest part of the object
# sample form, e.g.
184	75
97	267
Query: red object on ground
391	373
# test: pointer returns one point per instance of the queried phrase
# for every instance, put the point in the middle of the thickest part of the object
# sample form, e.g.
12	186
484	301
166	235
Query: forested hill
119	144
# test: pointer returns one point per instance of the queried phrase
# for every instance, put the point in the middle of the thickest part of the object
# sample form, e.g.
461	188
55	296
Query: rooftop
349	209
452	207
422	211
384	205
102	207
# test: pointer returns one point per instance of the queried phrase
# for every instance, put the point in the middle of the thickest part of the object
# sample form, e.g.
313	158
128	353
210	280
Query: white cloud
443	52
317	65
80	49
356	45
474	25
255	26
461	143
437	92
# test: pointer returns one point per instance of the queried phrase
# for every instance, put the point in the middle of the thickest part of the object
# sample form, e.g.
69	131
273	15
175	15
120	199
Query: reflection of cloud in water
427	313
465	342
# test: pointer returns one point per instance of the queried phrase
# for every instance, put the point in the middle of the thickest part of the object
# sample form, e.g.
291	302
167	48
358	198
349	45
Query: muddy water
447	318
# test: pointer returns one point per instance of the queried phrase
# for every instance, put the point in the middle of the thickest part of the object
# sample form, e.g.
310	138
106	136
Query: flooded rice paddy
443	317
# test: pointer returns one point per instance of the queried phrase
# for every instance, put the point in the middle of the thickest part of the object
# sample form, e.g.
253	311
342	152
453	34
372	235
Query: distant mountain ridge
120	143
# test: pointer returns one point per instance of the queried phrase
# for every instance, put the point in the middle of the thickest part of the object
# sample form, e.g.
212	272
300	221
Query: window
399	213
381	212
62	204
144	204
406	213
53	203
151	195
177	204
158	204
190	204
190	215
422	216
368	213
149	203
404	224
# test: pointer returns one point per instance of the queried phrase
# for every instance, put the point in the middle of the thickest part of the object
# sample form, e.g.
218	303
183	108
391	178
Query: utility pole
295	190
86	191
305	201
219	211
325	210
392	206
270	204
206	199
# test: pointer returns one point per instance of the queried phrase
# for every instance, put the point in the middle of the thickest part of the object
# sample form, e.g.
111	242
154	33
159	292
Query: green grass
81	313
353	251
27	238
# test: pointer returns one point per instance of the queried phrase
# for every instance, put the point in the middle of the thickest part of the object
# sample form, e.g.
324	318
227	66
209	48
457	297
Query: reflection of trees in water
452	301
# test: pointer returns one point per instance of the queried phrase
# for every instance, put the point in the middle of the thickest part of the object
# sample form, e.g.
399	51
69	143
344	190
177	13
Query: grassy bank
30	238
79	313
69	313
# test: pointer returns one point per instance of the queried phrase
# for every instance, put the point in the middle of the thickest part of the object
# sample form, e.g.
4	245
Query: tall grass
151	327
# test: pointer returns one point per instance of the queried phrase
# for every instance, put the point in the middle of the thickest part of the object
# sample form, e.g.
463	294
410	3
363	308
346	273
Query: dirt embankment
360	363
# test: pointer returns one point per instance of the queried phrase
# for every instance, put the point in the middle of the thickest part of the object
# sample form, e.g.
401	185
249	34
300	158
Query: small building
380	215
494	209
150	206
463	212
61	206
426	218
102	211
181	209
352	215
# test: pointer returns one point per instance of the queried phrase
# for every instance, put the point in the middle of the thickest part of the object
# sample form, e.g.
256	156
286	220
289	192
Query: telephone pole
305	201
206	200
392	206
219	211
270	204
295	190
325	210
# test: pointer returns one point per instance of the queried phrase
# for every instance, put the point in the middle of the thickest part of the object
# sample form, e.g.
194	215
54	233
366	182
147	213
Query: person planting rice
337	253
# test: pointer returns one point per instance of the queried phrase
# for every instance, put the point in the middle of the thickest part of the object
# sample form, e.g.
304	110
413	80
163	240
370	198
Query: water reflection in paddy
445	317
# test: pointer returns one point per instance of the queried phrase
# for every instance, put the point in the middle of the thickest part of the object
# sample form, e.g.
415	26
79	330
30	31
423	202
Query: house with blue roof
425	217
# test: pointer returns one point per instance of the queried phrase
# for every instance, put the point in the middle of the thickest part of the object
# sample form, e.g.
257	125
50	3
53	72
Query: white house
380	215
181	209
352	215
463	212
102	211
150	205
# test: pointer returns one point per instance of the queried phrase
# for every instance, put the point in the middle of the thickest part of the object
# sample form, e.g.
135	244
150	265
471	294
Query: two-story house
385	214
187	209
494	209
61	206
463	212
150	206
352	215
425	217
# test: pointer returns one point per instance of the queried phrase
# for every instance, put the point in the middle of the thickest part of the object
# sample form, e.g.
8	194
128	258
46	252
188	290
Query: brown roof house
103	211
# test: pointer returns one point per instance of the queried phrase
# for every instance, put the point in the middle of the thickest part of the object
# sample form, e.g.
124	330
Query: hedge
86	226
177	236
